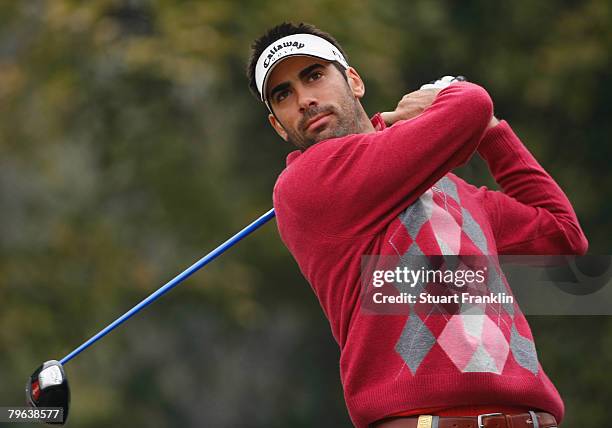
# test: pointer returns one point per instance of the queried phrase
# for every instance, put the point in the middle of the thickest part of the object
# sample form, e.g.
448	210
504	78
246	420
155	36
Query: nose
306	100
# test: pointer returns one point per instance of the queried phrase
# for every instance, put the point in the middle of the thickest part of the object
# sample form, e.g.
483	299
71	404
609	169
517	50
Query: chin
325	134
333	133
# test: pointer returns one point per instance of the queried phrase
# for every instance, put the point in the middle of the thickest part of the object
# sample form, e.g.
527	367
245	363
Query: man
384	187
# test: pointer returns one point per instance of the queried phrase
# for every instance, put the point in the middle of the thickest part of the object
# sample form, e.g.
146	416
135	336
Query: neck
364	123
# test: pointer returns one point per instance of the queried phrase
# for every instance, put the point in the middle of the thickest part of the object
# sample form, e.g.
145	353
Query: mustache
312	112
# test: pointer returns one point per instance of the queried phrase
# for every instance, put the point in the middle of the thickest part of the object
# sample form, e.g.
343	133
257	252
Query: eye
281	95
315	75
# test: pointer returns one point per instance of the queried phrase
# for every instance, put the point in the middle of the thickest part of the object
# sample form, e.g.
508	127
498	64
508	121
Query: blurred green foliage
130	145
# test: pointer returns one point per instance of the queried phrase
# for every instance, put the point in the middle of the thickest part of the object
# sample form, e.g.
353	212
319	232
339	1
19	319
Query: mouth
317	121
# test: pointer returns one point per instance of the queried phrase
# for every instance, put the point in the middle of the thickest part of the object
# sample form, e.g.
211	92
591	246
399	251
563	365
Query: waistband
488	420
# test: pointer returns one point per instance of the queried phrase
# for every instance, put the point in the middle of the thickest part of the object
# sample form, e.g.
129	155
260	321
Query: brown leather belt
489	420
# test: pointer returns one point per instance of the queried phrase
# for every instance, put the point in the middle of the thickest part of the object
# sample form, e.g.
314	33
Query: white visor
294	45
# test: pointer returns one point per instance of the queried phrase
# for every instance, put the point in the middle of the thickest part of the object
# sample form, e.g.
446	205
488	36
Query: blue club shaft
173	283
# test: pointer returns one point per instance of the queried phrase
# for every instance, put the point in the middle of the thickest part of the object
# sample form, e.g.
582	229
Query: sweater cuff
498	142
378	122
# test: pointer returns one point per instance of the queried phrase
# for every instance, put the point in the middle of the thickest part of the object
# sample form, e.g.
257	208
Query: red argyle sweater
391	192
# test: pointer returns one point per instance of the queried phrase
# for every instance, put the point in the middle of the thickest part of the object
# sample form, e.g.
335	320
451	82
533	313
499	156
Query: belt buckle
486	415
425	421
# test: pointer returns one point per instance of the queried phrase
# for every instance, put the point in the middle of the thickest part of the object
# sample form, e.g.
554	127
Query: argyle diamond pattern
479	338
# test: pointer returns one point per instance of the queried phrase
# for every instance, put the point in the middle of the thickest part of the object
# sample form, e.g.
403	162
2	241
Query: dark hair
278	32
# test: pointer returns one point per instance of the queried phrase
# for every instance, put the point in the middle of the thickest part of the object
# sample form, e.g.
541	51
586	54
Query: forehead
289	69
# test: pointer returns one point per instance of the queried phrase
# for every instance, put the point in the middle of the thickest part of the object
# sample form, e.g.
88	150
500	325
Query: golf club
48	385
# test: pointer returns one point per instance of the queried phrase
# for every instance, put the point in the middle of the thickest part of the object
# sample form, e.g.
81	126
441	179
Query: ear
277	126
355	82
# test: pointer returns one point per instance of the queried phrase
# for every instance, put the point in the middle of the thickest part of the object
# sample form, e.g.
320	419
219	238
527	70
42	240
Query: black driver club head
48	387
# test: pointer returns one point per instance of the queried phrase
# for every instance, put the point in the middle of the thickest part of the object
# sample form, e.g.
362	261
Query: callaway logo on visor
294	45
286	45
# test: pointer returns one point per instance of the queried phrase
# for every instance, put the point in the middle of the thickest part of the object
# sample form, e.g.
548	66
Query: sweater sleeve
355	185
532	215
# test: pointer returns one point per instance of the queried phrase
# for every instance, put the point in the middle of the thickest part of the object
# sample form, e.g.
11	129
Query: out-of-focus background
130	146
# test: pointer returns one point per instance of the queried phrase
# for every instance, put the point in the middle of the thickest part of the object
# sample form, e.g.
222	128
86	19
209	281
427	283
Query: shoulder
310	181
318	162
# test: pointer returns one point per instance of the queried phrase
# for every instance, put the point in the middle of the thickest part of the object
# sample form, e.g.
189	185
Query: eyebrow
305	72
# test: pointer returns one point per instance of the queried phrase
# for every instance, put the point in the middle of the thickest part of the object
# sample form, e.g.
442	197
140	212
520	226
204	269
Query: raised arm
350	186
532	215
